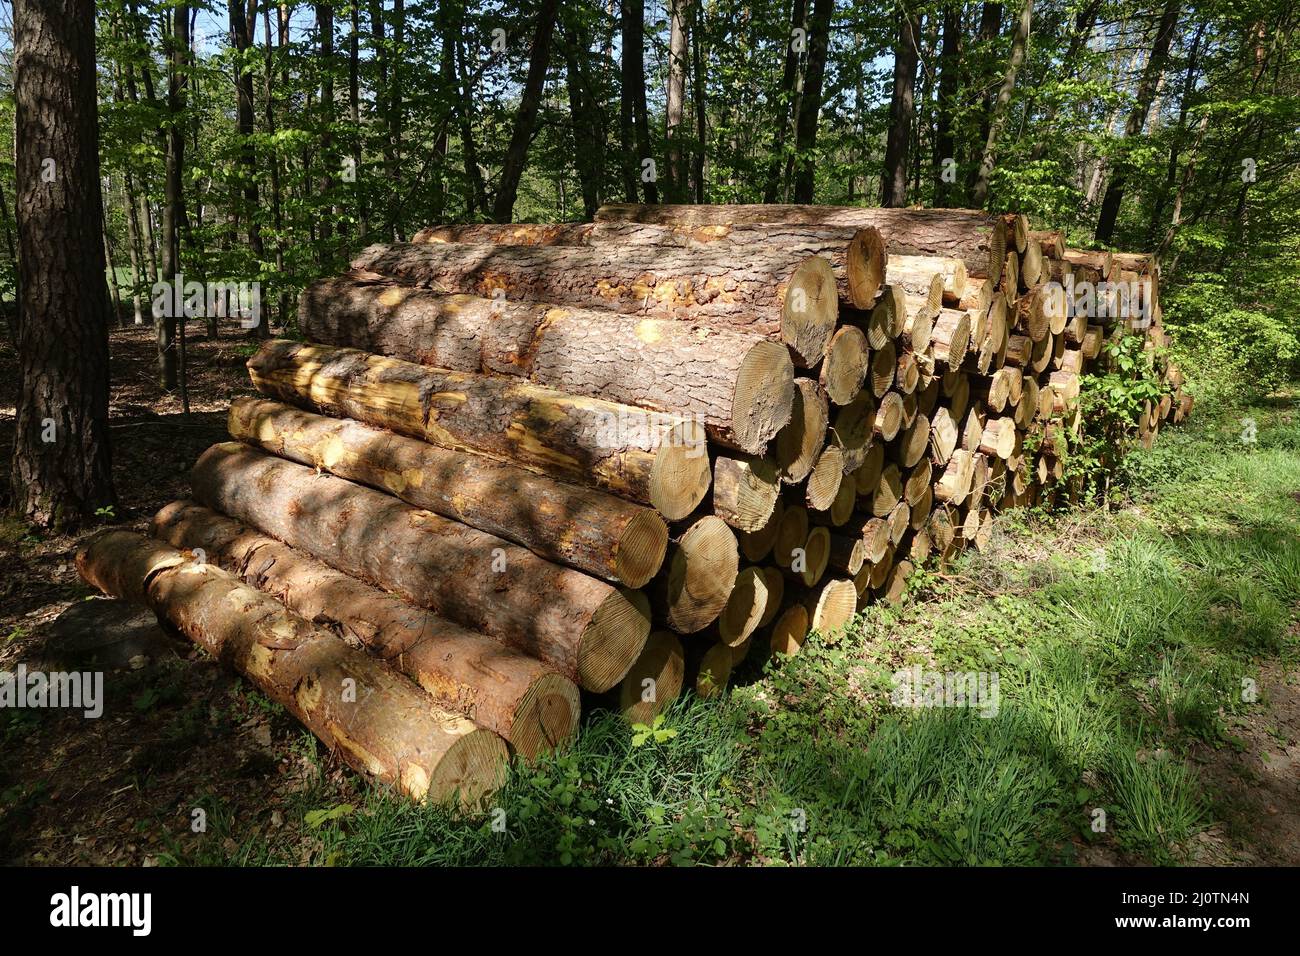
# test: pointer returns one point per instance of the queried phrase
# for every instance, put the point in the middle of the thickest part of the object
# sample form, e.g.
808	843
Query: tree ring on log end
680	476
764	396
613	639
810	310
865	266
641	549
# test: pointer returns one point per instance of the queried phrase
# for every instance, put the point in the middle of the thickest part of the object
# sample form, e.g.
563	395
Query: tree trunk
62	470
277	214
588	131
675	101
173	206
636	126
699	87
584	529
647	457
1146	92
379	722
539	59
502	689
945	139
772	294
739	385
893	186
588	630
241	31
810	104
990	26
477	200
998	118
789	81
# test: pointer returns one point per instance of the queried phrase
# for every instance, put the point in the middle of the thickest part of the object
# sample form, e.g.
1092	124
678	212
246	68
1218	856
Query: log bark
767	291
647	457
738	384
584	529
388	729
588	630
534	708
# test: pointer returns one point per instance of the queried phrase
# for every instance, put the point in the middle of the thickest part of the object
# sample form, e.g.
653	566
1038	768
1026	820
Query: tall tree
173	190
635	124
998	117
699	89
62	470
242	21
795	44
983	78
902	108
675	101
810	105
1137	117
945	139
539	59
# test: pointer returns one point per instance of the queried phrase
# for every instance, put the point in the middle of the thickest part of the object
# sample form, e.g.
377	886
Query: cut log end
790	630
613	639
764	395
810	311
846	365
655	680
680	476
641	549
824	482
701	573
865	266
546	716
745	607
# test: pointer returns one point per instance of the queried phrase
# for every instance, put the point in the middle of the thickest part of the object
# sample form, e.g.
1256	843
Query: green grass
1120	640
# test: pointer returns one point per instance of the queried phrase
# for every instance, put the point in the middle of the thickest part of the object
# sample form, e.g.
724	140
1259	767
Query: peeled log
588	630
645	456
585	529
974	236
519	697
389	729
738	384
785	298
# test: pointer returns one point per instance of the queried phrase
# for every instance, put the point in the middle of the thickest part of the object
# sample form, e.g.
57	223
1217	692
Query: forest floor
1146	658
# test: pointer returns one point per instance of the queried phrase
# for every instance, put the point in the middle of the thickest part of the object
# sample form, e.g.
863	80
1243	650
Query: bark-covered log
976	237
379	721
517	696
648	457
585	529
738	384
858	255
590	631
787	299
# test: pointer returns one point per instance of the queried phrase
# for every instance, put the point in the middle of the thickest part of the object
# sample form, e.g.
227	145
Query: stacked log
513	462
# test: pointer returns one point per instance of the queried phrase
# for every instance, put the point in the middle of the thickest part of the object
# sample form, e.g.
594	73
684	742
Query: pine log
853	430
790	630
974	236
585	529
698	577
647	457
504	690
588	630
757	545
783	297
738	384
379	722
824	480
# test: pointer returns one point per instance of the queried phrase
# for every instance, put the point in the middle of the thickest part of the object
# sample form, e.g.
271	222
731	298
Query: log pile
513	463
